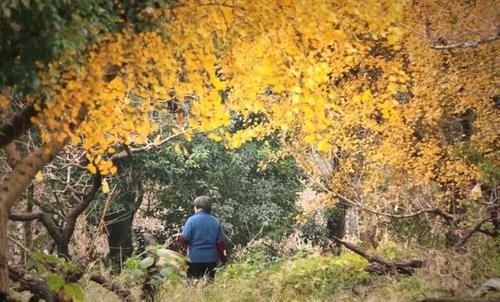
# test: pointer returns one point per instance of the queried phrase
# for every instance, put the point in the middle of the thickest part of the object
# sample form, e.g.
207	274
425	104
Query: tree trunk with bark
119	223
12	188
120	233
4	265
16	183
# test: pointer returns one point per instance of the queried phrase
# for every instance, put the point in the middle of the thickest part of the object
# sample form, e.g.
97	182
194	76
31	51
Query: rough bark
382	265
351	223
115	287
36	285
62	236
119	231
4	268
119	224
73	215
19	124
17	182
10	190
13	155
28	227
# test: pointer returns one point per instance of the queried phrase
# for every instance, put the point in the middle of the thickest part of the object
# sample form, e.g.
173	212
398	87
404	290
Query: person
204	237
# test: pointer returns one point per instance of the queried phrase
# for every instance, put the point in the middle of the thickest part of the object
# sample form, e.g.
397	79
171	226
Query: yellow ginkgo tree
364	84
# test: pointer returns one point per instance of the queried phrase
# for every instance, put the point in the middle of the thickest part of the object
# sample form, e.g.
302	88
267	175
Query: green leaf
55	282
167	271
132	262
70	267
163	252
136	274
52	259
74	291
147	262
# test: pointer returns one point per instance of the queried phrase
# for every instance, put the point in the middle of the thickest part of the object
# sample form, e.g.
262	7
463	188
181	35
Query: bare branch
475	229
47	221
131	151
466	44
402	266
447	216
80	207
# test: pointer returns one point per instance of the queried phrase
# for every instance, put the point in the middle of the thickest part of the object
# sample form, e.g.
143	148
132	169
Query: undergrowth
262	272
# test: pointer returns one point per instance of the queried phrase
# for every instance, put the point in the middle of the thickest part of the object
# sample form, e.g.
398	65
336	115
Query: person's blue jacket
204	235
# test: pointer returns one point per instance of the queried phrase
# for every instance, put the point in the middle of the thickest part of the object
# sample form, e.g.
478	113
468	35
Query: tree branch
130	151
69	227
447	216
17	181
450	219
475	229
19	124
13	155
47	221
402	266
115	287
36	285
466	44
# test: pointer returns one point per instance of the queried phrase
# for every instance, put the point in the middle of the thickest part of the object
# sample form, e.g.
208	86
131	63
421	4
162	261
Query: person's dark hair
203	202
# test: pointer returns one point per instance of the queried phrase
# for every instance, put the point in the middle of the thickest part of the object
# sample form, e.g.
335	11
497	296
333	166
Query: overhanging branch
19	124
466	44
404	266
131	151
47	221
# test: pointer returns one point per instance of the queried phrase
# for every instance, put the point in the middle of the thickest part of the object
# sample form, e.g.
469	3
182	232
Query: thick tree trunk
336	220
17	183
119	224
351	222
336	223
4	268
28	225
13	186
119	230
18	125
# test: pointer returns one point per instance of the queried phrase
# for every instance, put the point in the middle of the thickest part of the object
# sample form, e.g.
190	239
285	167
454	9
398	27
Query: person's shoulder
214	218
191	218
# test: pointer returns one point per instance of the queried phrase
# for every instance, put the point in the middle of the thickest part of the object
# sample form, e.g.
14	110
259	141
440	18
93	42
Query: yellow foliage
347	76
105	186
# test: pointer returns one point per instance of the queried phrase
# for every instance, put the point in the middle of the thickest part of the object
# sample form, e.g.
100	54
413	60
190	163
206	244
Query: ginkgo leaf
156	142
177	148
214	137
105	186
92	168
39	176
476	193
324	146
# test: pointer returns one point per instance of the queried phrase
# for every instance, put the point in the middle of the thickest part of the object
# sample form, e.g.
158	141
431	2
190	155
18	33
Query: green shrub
320	275
311	277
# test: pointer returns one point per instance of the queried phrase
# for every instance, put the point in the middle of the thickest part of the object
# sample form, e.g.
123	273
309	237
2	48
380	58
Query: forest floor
318	277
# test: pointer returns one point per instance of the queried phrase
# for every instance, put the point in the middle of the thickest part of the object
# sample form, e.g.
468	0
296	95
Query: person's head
202	203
